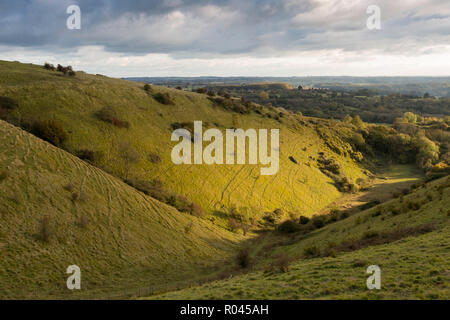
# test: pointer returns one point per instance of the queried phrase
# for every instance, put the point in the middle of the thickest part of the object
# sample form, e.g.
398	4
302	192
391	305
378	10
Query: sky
231	37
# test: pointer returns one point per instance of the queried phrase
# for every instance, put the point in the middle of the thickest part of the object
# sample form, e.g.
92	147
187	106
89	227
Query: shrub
281	264
183	125
154	157
147	87
293	159
304	220
83	222
49	66
370	234
75	196
233	224
45	232
311	251
3	175
68	187
8	103
344	215
163	98
318	222
108	114
87	155
153	188
243	258
288	226
202	90
52	131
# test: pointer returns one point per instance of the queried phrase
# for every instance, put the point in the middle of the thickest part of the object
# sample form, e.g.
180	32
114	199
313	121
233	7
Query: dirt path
386	183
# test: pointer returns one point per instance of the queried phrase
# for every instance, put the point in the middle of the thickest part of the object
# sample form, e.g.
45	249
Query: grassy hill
107	197
56	210
75	101
406	237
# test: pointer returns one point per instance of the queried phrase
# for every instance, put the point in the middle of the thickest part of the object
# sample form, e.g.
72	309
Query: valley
87	177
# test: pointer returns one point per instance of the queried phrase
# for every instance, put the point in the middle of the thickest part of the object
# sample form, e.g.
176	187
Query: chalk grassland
300	187
125	242
331	262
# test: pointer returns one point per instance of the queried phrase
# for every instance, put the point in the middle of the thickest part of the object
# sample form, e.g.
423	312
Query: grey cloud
189	28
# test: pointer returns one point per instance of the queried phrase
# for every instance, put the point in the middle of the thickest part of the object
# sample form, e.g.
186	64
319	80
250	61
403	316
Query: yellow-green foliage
56	210
301	187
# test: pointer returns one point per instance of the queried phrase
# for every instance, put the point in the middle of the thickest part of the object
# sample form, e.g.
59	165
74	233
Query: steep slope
408	238
298	187
56	210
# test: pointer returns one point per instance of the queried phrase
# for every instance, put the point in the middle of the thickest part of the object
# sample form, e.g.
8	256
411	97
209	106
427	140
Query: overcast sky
231	37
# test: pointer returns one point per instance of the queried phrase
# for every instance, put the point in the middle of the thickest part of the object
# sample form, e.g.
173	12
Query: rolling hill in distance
86	178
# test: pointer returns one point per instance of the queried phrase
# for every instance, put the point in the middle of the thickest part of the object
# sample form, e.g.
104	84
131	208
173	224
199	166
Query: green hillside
123	240
406	237
86	178
74	101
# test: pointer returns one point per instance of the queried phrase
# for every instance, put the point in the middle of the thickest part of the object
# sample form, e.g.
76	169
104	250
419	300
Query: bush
288	226
154	157
243	258
8	103
108	114
83	222
311	251
202	90
3	175
65	70
148	88
318	222
153	188
52	131
163	98
49	66
45	232
75	196
281	264
87	155
304	220
68	187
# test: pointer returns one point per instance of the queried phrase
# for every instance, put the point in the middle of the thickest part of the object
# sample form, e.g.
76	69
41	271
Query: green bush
153	157
8	103
318	222
87	155
108	114
163	98
243	258
288	226
148	88
52	131
3	175
304	220
311	252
